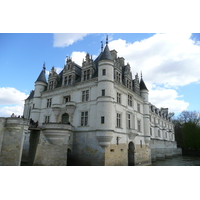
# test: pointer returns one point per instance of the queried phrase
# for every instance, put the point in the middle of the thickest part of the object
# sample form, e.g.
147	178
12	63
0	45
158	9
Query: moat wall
12	132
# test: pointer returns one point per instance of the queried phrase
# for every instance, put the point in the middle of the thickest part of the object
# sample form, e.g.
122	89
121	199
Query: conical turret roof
42	77
106	55
142	85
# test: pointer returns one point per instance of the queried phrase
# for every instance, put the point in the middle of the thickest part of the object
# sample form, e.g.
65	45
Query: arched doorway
65	118
69	157
131	156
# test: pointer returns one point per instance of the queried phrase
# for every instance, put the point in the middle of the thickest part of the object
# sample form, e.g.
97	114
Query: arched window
65	118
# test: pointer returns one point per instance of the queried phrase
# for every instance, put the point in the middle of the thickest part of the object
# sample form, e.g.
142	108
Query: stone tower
40	86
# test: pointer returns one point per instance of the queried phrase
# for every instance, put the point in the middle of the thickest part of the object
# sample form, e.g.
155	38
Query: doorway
131	154
65	118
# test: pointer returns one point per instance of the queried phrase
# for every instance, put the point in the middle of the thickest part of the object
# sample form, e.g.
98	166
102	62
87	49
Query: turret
143	90
106	95
40	85
145	94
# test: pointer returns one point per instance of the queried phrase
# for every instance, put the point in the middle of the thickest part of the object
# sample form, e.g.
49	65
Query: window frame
84	118
118	97
118	120
49	102
130	100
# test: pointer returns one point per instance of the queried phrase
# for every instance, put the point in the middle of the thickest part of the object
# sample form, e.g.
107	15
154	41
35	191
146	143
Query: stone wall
142	155
52	145
12	132
116	155
86	150
161	149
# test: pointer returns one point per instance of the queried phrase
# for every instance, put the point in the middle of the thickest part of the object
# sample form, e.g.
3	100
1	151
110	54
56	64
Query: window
118	120
103	72
67	99
84	118
49	103
118	76
70	80
66	80
118	97
128	84
129	120
85	95
138	107
130	101
158	133
102	120
50	85
86	75
47	119
102	92
166	134
65	118
33	106
151	131
139	125
141	143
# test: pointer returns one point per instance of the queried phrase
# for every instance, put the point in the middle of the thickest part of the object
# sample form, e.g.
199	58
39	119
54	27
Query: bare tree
189	116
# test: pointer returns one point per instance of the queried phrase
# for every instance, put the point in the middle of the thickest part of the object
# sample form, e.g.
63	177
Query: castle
95	115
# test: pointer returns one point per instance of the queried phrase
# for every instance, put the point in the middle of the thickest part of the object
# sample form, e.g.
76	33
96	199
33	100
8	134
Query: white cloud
7	111
11	101
66	39
167	98
58	70
167	60
78	57
10	96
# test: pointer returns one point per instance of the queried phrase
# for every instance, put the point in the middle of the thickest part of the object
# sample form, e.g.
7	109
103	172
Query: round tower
40	85
105	122
145	94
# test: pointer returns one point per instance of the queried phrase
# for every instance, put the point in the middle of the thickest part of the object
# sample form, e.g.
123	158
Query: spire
142	84
101	46
106	55
42	77
106	39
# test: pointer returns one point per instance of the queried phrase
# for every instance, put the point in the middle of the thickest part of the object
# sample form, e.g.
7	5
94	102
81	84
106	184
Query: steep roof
106	55
142	85
31	95
42	77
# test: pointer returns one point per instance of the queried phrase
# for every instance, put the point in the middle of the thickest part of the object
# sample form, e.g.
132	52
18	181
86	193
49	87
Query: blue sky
170	63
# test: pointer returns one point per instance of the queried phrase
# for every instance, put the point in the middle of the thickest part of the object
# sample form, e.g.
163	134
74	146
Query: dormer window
67	99
66	80
118	76
50	85
70	80
86	75
128	84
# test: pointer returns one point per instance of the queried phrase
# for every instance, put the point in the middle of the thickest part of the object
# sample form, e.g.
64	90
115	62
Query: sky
169	62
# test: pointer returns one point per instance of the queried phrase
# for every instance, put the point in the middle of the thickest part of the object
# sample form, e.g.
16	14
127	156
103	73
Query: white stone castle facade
97	114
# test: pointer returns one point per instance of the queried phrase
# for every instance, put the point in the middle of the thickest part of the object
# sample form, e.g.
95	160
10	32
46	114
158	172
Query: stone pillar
12	143
53	145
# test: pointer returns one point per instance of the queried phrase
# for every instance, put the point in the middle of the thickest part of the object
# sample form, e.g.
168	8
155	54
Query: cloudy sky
170	64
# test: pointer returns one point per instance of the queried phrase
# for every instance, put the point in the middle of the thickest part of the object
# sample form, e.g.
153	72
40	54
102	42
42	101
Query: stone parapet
11	140
53	145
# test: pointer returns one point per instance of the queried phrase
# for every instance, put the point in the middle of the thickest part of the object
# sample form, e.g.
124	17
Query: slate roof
31	95
42	77
106	55
142	85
